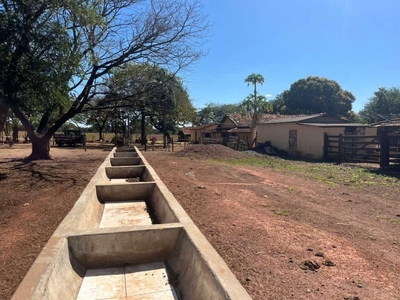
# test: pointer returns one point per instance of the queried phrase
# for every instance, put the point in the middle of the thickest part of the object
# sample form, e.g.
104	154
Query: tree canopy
151	93
384	102
57	54
315	95
213	113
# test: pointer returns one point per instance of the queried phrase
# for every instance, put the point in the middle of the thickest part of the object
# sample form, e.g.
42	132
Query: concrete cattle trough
127	237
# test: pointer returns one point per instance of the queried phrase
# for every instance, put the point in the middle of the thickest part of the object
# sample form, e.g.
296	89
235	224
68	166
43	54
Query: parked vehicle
69	137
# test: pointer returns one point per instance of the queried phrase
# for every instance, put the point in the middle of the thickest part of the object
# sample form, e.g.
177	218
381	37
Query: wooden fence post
340	150
385	149
326	144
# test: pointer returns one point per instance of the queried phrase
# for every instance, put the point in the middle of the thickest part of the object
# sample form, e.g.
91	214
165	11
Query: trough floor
124	180
144	281
125	213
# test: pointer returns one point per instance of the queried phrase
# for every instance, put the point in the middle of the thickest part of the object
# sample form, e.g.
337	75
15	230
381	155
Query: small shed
237	126
184	135
304	135
197	133
390	125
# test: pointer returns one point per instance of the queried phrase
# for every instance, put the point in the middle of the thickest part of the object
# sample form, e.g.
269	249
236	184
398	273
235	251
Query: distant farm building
304	135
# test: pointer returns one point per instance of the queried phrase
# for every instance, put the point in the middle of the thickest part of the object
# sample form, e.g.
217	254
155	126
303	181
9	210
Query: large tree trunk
3	116
40	149
165	128
143	140
15	130
253	136
100	133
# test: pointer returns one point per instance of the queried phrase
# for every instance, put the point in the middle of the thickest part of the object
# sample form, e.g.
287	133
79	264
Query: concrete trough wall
126	172
125	192
125	154
115	248
125	149
80	245
126	161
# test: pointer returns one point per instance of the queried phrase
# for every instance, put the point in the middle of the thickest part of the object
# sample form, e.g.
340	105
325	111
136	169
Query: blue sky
355	42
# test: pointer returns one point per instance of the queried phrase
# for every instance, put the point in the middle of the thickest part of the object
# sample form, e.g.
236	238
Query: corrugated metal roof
246	120
394	120
336	124
388	125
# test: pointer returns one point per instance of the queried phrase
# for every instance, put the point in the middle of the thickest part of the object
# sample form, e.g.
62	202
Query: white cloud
268	96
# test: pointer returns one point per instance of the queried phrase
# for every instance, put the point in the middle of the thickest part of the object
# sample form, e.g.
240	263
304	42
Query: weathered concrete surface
79	244
125	172
125	161
144	281
125	154
125	149
127	213
122	192
116	247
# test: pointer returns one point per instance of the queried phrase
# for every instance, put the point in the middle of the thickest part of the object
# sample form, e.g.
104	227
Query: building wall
310	139
197	132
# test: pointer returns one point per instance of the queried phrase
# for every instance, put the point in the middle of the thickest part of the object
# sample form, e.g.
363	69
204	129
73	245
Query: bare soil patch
270	221
34	198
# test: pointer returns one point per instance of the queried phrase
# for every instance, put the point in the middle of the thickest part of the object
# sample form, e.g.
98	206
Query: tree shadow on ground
393	171
39	173
90	146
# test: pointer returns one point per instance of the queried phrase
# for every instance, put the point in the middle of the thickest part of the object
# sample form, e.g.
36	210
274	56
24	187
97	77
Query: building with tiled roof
304	135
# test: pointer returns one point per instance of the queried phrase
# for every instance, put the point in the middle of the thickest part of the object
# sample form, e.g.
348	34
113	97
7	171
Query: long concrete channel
127	237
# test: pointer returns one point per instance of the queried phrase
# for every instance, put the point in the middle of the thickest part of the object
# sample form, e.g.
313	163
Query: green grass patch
328	173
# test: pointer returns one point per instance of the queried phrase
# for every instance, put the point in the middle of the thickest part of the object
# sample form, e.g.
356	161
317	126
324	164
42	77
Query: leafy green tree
213	113
55	55
385	102
170	104
278	104
154	92
255	105
315	95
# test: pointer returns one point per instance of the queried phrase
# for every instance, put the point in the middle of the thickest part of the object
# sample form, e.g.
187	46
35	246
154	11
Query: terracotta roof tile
246	120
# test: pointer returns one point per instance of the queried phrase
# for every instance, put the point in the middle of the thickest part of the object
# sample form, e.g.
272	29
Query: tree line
310	95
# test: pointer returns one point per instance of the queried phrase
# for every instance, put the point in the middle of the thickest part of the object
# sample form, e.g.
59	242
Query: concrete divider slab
125	149
126	172
125	161
125	154
125	192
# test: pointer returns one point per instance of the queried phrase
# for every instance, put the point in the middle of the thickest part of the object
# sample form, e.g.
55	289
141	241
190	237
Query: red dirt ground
265	223
34	198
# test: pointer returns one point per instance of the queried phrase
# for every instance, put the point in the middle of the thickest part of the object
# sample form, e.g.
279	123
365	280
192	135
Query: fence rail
382	149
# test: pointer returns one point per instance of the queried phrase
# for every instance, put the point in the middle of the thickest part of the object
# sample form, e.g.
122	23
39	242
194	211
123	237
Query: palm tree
255	105
254	79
